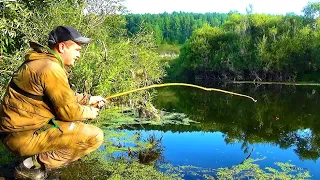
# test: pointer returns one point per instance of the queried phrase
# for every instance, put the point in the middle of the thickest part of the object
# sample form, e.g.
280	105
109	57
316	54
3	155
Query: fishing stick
179	84
34	44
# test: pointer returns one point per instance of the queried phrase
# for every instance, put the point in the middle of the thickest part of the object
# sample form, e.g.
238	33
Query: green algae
125	117
247	170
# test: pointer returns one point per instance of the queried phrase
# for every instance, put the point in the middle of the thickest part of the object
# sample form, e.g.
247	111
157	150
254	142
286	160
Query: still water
283	126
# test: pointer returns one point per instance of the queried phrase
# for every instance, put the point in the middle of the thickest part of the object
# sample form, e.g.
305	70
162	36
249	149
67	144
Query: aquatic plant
149	151
126	117
247	170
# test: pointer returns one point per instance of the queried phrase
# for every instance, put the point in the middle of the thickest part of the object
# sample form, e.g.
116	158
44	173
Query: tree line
175	27
257	47
234	46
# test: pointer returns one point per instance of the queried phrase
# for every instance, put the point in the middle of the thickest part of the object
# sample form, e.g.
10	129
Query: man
40	116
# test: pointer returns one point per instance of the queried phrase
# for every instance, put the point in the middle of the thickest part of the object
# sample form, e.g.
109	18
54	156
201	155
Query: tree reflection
149	152
284	115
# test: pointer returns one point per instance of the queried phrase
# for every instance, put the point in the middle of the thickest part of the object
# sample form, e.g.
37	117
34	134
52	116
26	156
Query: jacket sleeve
62	97
82	99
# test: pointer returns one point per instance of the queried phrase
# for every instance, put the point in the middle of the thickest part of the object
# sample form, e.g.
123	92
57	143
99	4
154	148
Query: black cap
65	33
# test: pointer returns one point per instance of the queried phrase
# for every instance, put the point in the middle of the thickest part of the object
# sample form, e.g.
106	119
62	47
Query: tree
111	63
312	10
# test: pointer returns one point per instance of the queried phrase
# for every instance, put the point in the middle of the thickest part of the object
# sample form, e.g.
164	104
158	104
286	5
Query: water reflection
284	115
149	152
198	154
283	125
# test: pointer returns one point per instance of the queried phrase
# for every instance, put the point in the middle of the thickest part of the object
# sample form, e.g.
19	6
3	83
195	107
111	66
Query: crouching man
40	116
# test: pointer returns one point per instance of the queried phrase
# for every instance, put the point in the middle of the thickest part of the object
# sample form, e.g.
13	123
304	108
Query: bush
111	63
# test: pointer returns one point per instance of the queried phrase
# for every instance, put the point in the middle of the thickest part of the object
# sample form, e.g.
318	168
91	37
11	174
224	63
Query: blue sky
222	6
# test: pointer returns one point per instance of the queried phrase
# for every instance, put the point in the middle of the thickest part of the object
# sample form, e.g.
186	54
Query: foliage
253	47
111	63
14	18
6	156
114	62
168	49
172	28
312	10
106	7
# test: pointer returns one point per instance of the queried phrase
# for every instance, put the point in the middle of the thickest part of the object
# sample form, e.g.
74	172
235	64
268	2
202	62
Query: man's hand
97	101
94	113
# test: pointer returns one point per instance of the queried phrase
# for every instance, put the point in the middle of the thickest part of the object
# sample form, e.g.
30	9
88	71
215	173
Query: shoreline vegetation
133	51
277	83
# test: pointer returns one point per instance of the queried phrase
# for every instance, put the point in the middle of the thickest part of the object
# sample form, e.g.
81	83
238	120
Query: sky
221	6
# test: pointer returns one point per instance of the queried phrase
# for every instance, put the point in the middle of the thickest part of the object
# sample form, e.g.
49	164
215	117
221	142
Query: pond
282	126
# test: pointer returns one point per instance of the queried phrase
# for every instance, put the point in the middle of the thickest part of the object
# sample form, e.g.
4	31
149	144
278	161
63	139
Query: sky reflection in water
283	126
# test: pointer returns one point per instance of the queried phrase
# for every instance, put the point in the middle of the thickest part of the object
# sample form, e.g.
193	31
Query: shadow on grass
6	171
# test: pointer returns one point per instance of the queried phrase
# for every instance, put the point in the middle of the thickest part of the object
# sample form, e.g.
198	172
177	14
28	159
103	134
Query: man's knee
94	135
99	136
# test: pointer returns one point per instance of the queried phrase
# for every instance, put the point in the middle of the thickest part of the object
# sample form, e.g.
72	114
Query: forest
173	28
239	47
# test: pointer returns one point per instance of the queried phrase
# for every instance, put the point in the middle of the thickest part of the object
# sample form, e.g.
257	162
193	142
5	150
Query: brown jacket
40	75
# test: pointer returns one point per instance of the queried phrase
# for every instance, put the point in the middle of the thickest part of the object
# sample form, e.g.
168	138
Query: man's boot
22	172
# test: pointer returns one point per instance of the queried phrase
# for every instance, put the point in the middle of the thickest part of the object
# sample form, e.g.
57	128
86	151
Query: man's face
70	53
